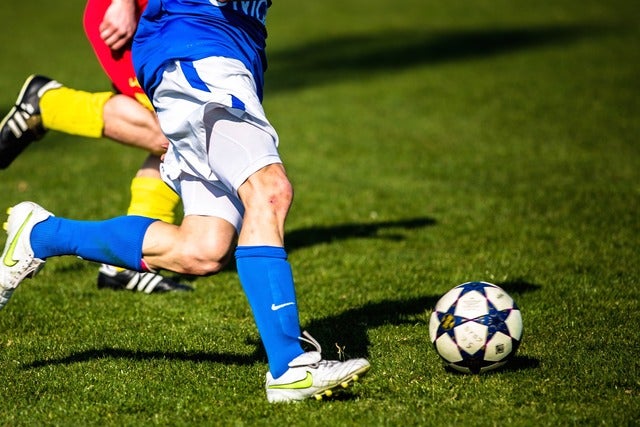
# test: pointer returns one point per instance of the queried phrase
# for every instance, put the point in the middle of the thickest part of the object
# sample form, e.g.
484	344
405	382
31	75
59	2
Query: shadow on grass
310	236
515	364
520	363
356	56
304	237
518	287
140	355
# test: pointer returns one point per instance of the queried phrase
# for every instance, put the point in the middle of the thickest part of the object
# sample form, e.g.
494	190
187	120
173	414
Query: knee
280	194
269	189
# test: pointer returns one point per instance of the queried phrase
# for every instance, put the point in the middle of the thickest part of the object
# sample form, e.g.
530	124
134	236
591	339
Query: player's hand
118	24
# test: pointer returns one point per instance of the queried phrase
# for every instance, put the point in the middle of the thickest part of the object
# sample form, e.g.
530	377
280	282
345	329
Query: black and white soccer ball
475	327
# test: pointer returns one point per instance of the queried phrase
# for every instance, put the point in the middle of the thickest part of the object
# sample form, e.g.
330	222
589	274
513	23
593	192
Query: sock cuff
260	251
152	197
74	111
149	183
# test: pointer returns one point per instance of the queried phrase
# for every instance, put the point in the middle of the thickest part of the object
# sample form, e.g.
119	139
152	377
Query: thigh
211	199
237	148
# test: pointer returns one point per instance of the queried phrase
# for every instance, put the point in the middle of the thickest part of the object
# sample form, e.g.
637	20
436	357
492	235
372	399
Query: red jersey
116	64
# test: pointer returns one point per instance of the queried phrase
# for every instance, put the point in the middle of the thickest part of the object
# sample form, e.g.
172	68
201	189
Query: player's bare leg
267	196
128	122
201	245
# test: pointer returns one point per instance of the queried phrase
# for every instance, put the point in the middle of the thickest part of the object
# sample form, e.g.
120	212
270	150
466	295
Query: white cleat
309	376
18	261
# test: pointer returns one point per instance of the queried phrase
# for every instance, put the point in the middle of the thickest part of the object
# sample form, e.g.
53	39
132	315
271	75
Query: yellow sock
152	198
74	111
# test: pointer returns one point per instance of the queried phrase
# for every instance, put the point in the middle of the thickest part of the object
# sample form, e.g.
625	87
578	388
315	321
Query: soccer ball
475	327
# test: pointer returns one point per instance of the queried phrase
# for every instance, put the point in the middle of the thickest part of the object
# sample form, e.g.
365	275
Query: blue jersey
189	30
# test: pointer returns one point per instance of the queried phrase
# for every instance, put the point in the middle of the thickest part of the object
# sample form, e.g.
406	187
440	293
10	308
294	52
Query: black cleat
109	277
23	124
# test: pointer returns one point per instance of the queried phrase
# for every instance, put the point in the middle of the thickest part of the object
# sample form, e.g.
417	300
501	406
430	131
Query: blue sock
116	241
267	281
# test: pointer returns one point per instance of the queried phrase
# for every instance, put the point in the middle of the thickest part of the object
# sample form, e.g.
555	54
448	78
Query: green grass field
429	144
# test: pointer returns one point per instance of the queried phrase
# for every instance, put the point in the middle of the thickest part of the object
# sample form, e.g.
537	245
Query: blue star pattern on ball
475	327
